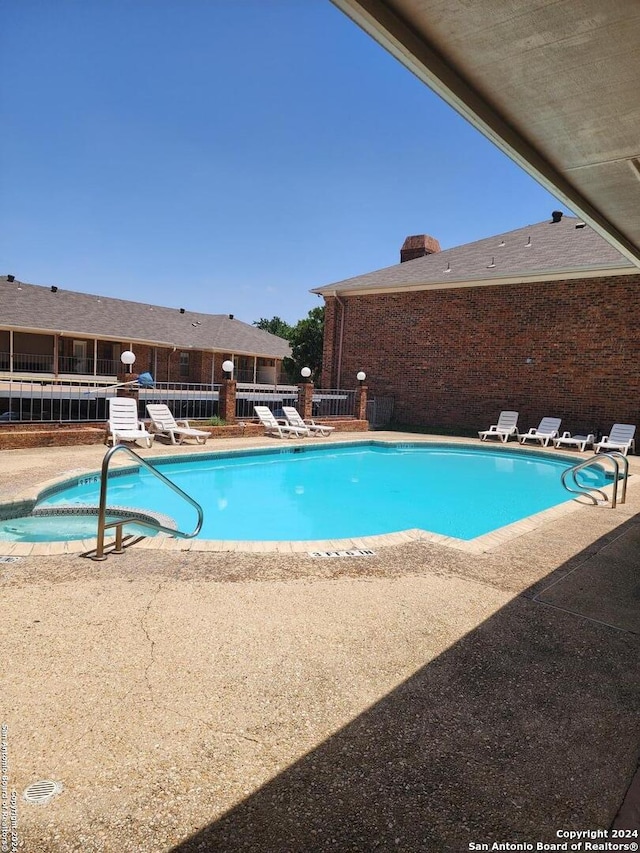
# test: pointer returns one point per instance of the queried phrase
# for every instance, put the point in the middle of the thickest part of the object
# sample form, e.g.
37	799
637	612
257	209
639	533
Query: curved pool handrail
102	508
586	491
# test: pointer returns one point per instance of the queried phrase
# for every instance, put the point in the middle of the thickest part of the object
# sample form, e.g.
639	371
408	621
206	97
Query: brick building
543	320
51	332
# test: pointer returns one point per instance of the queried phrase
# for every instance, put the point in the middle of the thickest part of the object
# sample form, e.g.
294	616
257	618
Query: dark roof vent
182	310
556	216
54	289
11	278
231	316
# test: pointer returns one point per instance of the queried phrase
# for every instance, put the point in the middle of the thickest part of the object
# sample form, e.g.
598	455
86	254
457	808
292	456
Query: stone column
227	401
360	407
305	400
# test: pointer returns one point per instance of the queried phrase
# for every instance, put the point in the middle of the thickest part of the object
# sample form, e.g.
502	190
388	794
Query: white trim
538	278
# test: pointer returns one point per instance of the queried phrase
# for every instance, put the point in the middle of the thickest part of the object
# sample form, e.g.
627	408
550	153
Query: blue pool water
341	492
59	528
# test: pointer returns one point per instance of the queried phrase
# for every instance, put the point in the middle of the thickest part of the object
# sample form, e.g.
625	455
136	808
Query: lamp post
360	407
127	358
305	394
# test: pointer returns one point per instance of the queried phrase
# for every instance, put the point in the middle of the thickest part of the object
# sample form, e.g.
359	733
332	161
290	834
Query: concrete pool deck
421	699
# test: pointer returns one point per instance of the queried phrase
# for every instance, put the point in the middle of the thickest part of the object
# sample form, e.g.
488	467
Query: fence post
227	401
360	406
305	400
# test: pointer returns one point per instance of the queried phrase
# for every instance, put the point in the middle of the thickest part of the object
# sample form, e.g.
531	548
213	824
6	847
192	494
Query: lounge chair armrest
566	434
182	422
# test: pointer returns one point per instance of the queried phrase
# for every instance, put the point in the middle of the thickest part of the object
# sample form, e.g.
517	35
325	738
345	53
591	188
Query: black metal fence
60	401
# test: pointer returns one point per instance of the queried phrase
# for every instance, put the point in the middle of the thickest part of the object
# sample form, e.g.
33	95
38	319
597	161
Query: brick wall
458	357
331	342
21	436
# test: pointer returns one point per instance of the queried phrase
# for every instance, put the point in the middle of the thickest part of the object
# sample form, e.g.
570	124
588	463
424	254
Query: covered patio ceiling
554	83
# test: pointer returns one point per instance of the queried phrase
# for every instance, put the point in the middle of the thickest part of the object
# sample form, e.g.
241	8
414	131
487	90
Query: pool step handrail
586	491
102	509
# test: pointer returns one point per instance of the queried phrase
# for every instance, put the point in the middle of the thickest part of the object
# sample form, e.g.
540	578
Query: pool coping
25	502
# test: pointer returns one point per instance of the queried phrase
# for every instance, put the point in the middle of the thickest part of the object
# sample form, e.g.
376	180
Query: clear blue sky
227	155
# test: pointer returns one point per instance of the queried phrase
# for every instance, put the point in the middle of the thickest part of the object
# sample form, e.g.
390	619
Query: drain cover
354	552
41	792
10	559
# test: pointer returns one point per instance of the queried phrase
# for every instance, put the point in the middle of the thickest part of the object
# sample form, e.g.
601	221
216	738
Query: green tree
306	341
276	326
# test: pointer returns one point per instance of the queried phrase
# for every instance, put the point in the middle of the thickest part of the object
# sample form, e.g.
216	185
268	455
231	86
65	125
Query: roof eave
68	333
522	278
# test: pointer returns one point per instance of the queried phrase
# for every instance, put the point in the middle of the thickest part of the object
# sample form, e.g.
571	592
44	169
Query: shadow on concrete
525	726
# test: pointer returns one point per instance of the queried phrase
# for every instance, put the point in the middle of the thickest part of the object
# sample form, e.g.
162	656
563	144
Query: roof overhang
69	333
553	83
524	278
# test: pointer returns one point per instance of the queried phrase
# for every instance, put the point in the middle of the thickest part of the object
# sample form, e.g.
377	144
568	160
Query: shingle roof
541	249
30	306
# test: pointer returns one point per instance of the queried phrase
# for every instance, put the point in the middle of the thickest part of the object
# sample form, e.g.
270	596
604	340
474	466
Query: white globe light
227	366
306	372
361	376
127	357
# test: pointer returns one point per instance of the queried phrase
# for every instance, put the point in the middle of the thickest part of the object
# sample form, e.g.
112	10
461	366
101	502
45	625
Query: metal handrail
102	509
586	491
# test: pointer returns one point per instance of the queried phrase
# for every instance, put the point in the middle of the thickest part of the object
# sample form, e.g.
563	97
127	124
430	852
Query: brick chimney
418	246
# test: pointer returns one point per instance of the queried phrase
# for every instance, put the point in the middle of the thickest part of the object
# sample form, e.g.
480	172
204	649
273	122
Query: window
184	364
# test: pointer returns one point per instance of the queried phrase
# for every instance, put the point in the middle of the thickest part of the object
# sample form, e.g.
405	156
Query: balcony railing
27	362
73	364
35	363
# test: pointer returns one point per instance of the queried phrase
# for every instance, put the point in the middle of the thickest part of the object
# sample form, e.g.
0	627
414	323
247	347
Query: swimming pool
339	492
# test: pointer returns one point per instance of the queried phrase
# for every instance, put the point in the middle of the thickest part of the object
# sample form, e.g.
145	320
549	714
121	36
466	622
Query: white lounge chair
506	427
620	438
124	424
546	430
295	419
579	441
164	423
274	427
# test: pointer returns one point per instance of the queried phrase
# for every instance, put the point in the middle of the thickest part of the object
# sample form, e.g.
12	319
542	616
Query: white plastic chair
164	423
579	441
124	424
546	430
295	419
506	427
274	427
620	438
